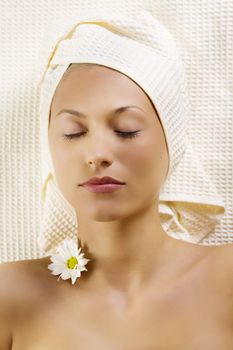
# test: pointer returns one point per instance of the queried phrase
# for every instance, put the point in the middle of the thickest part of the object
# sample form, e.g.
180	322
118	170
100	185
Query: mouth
106	180
103	188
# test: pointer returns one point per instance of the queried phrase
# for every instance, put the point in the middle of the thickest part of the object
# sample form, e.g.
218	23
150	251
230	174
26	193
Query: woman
143	289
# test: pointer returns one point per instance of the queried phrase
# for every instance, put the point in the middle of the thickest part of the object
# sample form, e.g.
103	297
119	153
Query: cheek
142	159
63	159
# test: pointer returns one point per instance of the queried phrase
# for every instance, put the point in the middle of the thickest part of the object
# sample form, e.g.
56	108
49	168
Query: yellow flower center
72	262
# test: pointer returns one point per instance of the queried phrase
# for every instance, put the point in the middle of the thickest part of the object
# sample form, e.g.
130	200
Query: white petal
65	275
74	248
57	259
78	273
56	266
64	254
56	272
82	268
75	272
71	247
73	279
83	261
64	249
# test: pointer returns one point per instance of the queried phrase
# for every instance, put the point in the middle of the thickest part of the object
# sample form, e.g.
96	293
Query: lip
102	181
104	188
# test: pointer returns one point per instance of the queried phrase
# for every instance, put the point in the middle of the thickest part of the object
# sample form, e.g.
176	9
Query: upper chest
194	313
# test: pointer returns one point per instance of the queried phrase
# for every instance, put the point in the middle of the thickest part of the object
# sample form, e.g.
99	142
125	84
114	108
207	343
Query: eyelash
126	134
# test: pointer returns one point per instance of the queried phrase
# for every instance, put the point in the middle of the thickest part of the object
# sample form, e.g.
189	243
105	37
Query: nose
99	151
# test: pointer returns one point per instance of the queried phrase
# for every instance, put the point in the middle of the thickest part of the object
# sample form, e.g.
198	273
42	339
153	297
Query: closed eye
122	134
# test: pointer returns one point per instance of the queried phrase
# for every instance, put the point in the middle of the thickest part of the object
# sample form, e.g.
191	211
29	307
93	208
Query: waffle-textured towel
142	48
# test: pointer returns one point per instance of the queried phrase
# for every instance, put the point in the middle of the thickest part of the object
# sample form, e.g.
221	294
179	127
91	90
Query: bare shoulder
224	263
5	313
21	283
23	271
225	255
219	262
21	279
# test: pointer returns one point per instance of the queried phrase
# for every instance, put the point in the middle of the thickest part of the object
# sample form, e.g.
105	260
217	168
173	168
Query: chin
104	216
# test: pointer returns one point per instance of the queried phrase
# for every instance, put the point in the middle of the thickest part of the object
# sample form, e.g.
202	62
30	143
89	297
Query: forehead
83	75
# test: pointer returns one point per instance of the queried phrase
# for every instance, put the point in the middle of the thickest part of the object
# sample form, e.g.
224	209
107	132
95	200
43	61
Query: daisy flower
67	261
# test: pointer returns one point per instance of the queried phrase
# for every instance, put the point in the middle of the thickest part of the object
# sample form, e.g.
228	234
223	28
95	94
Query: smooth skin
143	289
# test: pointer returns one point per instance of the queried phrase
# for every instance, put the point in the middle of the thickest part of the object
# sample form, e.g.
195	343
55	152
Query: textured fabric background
203	31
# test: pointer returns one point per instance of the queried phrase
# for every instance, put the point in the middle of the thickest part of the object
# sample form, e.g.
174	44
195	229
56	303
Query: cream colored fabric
203	33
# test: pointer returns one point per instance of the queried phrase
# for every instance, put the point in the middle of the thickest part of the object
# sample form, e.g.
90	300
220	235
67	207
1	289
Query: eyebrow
82	115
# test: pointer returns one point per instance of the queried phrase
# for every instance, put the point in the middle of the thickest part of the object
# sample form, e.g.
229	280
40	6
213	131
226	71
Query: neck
125	253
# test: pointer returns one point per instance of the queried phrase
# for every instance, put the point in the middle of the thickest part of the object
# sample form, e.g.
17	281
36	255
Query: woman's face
102	149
